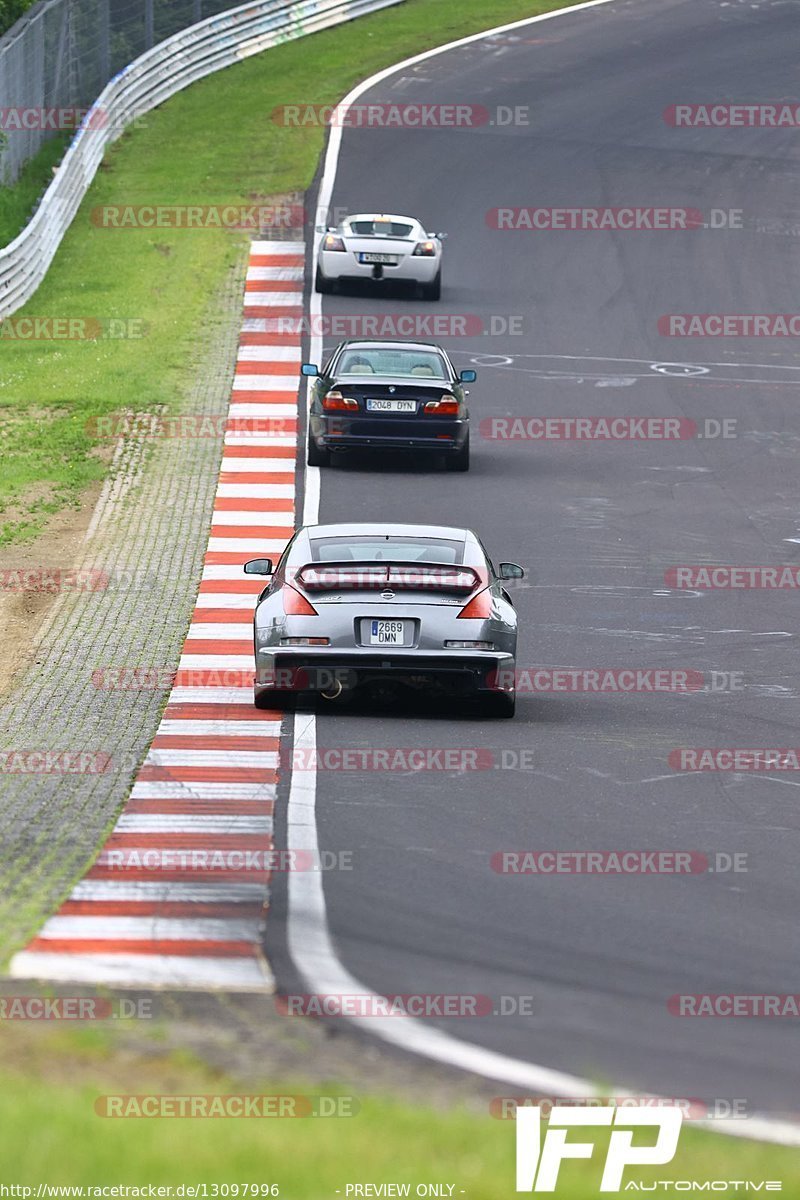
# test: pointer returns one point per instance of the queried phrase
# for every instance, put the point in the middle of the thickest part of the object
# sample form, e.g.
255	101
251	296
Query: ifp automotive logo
539	1161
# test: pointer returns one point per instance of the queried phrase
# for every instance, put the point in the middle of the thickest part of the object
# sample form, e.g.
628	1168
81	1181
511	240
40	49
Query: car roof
379	217
376	344
387	528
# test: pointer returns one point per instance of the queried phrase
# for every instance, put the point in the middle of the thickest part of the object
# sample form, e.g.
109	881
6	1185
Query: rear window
386	549
380	229
379	360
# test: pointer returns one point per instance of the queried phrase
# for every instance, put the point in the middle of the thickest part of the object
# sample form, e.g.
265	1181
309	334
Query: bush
11	11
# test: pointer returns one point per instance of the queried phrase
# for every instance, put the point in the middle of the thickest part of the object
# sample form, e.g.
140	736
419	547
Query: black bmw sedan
389	396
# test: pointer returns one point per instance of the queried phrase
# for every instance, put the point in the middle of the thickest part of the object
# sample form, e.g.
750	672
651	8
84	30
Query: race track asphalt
597	525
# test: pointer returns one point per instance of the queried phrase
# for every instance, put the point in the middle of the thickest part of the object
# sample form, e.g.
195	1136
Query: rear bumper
327	670
335	265
388	433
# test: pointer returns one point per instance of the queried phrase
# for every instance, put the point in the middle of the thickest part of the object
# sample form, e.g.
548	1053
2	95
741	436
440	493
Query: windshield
389	229
386	549
388	360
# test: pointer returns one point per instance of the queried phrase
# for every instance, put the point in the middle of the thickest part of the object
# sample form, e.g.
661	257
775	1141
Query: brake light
424	250
331	242
479	607
445	406
296	605
334	401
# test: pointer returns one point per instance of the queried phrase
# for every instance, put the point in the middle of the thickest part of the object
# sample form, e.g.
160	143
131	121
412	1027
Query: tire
316	457
498	705
323	285
459	461
277	700
433	291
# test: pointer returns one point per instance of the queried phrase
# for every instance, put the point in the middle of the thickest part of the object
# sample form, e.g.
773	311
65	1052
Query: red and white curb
178	894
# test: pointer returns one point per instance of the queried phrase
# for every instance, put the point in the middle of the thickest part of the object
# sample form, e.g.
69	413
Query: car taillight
296	605
335	402
479	607
424	250
445	406
331	242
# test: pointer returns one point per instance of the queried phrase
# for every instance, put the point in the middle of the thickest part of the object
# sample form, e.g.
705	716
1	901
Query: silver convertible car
375	246
381	608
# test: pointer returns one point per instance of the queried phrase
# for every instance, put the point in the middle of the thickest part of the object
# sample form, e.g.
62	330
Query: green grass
52	1134
212	144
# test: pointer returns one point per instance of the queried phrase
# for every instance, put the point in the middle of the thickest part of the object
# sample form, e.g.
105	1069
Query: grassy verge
213	144
52	1133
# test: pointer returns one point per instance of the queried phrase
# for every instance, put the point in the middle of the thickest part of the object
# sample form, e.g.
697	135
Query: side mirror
441	236
468	376
258	566
510	571
309	369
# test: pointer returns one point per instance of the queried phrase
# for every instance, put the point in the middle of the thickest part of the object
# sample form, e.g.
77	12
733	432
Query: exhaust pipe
331	695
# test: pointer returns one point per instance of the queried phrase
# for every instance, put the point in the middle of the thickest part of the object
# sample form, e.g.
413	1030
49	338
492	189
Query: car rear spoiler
397	576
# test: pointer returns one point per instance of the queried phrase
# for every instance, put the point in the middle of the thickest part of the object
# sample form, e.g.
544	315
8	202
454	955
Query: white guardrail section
156	75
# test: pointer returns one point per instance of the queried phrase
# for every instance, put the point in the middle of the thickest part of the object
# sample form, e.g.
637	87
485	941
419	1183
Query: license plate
370	256
386	633
408	406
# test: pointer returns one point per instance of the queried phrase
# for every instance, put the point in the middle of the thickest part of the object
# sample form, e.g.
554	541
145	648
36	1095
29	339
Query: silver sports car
377	246
382	607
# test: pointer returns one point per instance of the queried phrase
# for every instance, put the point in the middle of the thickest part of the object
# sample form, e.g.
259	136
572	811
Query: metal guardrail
60	54
159	73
